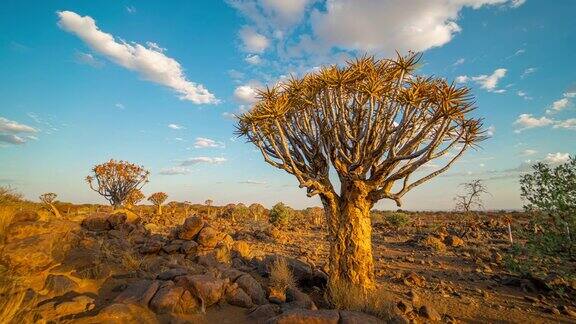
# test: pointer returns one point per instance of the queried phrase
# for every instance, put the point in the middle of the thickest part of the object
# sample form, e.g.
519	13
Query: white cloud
459	61
88	59
528	152
246	94
254	182
130	9
557	158
566	124
388	25
252	41
202	142
561	104
10	126
488	82
491	130
119	106
523	95
285	12
517	3
175	171
202	159
12	132
527	72
527	121
151	63
176	126
253	59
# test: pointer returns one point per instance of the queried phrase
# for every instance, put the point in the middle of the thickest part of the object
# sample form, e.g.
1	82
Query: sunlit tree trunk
350	236
55	211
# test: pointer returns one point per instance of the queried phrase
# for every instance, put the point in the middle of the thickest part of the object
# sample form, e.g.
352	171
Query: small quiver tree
372	124
114	180
48	200
208	204
134	197
158	198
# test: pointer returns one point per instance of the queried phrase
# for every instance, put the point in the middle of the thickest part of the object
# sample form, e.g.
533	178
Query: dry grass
351	297
14	308
6	215
280	275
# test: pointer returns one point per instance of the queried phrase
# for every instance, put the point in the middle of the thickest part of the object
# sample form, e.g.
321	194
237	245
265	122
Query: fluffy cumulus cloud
202	142
527	121
202	159
246	94
12	132
377	26
389	25
557	158
252	41
253	59
562	103
488	82
569	124
150	62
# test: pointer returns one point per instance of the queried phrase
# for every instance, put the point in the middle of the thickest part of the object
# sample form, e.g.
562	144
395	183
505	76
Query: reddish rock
173	299
209	237
252	288
191	227
303	316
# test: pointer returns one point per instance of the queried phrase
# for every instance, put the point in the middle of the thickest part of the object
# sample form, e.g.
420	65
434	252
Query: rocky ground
198	264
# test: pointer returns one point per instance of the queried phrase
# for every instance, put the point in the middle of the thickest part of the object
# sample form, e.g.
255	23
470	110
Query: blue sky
155	83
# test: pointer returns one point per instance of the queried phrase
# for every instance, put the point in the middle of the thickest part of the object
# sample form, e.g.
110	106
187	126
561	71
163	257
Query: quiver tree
133	198
158	198
369	125
48	200
114	180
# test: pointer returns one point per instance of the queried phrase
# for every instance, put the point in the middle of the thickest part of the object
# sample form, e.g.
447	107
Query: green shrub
397	219
280	214
550	194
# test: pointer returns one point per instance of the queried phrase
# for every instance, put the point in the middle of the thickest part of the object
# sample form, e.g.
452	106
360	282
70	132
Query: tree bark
159	209
351	239
55	211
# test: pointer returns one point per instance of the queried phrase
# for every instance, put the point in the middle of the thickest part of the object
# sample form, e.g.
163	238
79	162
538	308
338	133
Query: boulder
58	285
296	299
171	248
173	299
122	313
236	296
29	255
67	305
191	227
96	222
453	241
150	247
140	292
303	316
263	312
252	288
350	317
210	289
429	313
209	237
189	247
172	273
117	220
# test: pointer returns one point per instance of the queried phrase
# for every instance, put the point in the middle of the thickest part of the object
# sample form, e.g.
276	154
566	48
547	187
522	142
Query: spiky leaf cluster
371	120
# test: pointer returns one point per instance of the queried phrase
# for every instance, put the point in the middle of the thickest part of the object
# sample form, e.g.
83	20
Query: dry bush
14	308
9	195
343	295
6	215
280	275
242	249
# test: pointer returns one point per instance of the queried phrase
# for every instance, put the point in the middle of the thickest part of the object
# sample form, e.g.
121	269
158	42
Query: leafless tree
371	124
472	198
